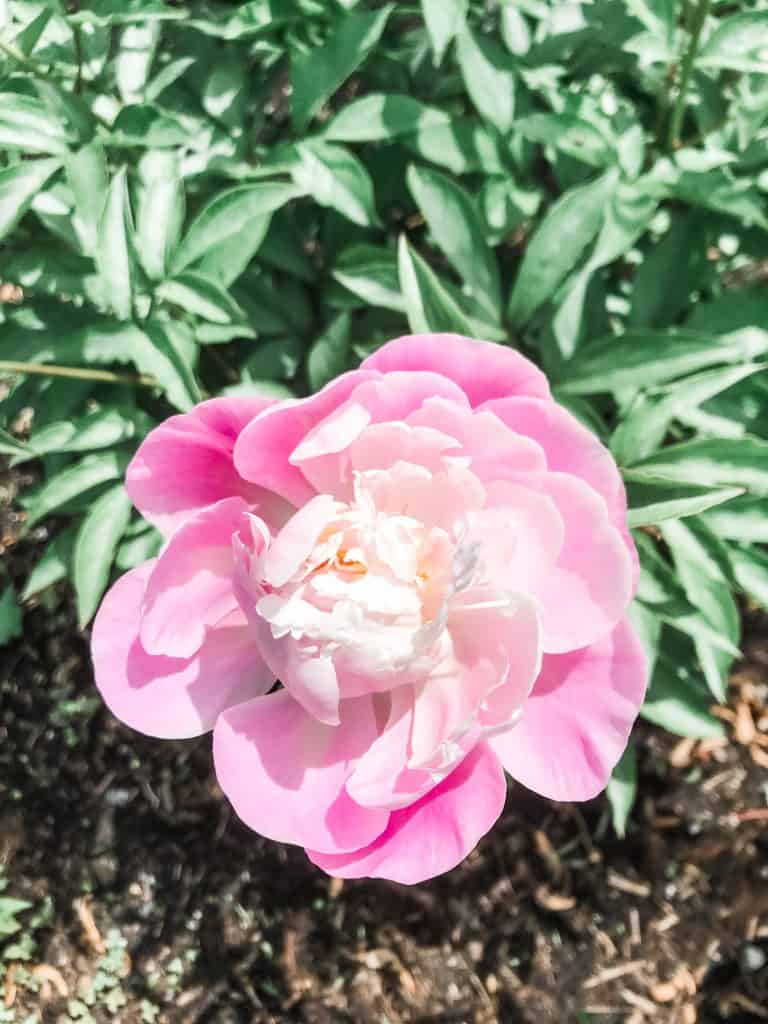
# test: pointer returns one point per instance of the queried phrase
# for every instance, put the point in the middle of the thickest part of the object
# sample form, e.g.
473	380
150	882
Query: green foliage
622	790
223	198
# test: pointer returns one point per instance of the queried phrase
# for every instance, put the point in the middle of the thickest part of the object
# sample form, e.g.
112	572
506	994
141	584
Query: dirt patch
150	902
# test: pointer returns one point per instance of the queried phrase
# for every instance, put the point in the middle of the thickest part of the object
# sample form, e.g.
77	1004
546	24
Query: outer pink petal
434	834
482	369
186	463
570	448
172	698
191	587
588	591
576	723
284	771
263	450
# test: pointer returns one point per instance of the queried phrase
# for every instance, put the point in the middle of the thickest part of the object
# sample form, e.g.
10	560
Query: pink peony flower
432	558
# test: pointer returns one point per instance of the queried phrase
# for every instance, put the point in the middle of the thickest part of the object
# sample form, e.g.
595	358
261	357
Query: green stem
689	59
77	373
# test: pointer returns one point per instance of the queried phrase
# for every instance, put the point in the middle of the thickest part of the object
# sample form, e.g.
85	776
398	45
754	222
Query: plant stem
697	24
77	373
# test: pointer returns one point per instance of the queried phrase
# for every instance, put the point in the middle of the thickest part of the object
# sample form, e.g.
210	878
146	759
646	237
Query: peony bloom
432	558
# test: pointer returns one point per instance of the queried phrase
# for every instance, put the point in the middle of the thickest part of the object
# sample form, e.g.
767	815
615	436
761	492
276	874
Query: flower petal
173	698
590	587
487	640
576	722
324	455
294	543
570	448
519	535
381	777
191	586
263	450
284	771
495	451
482	369
186	463
434	834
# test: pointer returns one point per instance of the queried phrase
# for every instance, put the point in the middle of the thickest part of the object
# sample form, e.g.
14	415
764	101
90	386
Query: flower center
373	591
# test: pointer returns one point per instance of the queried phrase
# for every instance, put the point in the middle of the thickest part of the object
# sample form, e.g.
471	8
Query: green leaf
627	216
27	125
135	550
570	134
330	354
125	12
89	180
428	304
715	462
334	177
444	19
276	359
9	445
370	273
157	351
203	296
654	499
160	213
738	43
720	191
102	428
19	185
10	621
514	29
136	52
28	38
750	567
114	255
463	145
225	93
622	790
677	703
458	230
567	229
703	569
488	74
382	116
680	257
73	481
660	591
234	221
648	627
53	564
95	549
318	73
647	421
742	519
644	358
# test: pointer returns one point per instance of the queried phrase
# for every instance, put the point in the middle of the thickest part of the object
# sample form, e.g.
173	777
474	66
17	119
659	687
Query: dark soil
551	919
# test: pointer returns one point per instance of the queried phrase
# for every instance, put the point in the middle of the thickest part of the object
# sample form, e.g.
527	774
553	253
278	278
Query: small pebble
752	958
